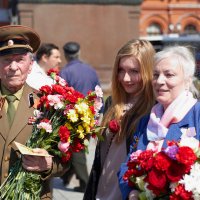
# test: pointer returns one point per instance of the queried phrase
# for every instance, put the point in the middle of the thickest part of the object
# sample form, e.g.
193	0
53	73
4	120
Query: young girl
132	97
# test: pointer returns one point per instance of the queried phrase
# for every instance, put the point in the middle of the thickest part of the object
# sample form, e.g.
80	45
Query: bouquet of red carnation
63	123
173	173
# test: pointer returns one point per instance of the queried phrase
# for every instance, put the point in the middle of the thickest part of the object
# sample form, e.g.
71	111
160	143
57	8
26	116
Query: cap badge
10	43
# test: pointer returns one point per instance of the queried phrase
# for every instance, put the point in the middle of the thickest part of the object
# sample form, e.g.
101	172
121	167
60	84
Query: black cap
71	48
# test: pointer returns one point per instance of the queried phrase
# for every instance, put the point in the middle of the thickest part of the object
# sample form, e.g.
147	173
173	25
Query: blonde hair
144	52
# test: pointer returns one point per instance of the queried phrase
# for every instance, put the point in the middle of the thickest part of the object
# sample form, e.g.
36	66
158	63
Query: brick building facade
169	16
101	27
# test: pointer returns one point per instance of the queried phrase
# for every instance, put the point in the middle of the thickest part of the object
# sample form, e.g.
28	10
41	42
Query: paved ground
66	193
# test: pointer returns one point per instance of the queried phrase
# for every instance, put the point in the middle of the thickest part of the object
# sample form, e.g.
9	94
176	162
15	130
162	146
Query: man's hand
37	163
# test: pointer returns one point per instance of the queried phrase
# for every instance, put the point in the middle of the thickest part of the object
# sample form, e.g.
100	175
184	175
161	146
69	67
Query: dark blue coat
80	76
191	119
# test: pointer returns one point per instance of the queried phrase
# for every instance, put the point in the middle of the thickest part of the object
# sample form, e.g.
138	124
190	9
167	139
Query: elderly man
17	45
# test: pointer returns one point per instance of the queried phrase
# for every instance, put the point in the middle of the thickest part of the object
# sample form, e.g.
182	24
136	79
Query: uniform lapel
22	114
4	126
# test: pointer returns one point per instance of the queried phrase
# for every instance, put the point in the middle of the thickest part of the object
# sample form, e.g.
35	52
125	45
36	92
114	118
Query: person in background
195	88
81	77
47	57
17	45
177	110
132	97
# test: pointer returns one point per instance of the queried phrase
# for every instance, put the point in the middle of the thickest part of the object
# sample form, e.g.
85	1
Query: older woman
176	111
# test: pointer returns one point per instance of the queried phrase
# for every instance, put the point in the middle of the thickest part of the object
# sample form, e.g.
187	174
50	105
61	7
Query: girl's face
168	81
129	75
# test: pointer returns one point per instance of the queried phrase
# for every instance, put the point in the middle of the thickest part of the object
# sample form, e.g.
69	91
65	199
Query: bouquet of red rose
173	173
64	120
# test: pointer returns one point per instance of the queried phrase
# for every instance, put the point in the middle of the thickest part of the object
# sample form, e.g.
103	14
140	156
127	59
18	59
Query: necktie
11	108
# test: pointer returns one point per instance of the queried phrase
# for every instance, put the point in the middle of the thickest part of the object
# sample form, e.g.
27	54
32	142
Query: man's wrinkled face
14	70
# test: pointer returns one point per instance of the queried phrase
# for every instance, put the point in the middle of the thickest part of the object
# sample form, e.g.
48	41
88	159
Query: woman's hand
37	163
133	195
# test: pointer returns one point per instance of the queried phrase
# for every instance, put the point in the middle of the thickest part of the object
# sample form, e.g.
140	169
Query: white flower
97	105
173	186
37	114
86	142
61	81
149	194
192	181
98	91
191	142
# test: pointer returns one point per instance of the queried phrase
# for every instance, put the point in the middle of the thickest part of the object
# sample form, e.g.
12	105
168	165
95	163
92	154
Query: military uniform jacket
20	131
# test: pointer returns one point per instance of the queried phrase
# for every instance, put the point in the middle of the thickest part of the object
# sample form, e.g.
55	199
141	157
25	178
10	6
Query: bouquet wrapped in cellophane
63	122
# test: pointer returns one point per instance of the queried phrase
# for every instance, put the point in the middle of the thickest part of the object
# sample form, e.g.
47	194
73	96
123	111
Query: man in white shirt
47	56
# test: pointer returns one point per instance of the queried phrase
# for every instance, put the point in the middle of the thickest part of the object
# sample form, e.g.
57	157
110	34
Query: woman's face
129	75
168	81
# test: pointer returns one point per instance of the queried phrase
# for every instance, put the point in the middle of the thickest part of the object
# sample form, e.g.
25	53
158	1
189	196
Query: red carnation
181	193
53	70
77	146
66	156
175	171
186	156
46	89
92	109
146	160
162	161
114	126
128	174
157	181
64	134
58	89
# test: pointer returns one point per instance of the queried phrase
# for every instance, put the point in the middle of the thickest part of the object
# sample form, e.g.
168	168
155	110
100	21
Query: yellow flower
69	126
92	122
82	107
72	115
86	119
80	130
87	127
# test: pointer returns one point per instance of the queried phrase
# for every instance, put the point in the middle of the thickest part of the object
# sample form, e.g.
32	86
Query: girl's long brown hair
144	52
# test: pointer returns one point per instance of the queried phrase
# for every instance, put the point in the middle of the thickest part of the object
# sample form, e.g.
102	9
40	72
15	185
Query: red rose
114	126
186	156
157	181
